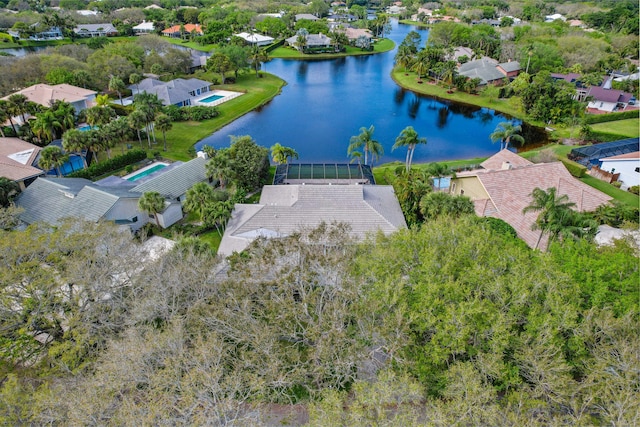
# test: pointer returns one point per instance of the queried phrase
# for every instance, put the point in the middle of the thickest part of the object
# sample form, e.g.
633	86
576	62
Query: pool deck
226	96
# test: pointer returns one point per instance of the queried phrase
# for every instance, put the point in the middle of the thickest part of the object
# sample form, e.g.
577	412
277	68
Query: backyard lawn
383	45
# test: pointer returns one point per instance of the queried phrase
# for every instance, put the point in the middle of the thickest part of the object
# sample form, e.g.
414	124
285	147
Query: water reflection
443	116
398	96
414	107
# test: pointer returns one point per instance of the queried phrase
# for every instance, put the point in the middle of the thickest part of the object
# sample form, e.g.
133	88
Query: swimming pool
86	128
144	172
211	98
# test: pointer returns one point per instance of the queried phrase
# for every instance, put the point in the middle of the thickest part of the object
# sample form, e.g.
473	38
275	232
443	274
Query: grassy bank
257	92
383	45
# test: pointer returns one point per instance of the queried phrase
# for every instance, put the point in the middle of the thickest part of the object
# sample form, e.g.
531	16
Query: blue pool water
146	172
86	128
211	98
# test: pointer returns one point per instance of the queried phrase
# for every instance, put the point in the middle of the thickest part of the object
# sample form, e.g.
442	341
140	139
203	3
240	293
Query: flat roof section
323	173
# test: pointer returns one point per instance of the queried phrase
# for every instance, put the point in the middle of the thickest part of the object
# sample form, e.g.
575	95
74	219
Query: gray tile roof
510	66
171	92
52	199
285	209
175	182
484	68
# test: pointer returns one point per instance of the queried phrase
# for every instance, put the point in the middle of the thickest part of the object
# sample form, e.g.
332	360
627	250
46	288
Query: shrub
611	117
576	169
634	189
200	113
98	169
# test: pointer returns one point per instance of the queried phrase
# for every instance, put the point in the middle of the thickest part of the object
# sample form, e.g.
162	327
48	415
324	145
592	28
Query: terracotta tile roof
504	156
44	94
17	158
187	27
510	191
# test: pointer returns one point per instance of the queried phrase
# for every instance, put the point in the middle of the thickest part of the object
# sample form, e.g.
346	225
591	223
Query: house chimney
506	165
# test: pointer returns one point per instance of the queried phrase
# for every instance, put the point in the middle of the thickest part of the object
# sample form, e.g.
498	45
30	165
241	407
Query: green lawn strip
618	194
383	45
379	172
628	128
409	80
212	238
185	134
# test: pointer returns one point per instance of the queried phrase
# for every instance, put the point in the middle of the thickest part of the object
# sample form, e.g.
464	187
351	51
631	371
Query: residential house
179	92
489	71
255	39
305	16
50	200
605	99
46	95
461	51
314	41
285	209
51	33
174	183
503	187
144	28
183	31
19	161
354	33
95	30
555	16
626	166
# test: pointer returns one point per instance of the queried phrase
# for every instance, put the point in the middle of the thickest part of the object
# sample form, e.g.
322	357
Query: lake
325	102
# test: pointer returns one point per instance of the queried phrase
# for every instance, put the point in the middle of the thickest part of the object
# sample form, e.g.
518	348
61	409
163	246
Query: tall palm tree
164	124
218	213
136	120
281	154
257	58
553	212
19	106
75	141
152	203
507	132
421	66
149	105
117	85
404	57
198	197
301	39
409	138
5	114
438	170
52	157
365	142
45	126
95	142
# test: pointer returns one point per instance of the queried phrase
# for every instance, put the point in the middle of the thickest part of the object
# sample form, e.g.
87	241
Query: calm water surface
325	102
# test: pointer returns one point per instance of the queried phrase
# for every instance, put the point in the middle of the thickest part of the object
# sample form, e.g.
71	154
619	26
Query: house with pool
114	199
183	92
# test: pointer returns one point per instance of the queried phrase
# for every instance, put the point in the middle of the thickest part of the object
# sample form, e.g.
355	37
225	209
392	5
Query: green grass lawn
257	91
628	128
191	44
383	45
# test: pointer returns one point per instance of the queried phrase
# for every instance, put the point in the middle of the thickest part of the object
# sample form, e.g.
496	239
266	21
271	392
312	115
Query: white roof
144	26
254	37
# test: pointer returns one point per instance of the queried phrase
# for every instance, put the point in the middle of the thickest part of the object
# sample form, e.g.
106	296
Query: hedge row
612	117
118	162
196	113
575	169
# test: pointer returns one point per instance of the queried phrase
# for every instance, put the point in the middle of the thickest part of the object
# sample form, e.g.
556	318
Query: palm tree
258	57
52	157
65	113
218	213
5	114
75	141
117	85
149	105
449	73
45	125
199	197
136	120
365	142
152	203
553	212
404	57
438	170
506	132
301	40
19	106
102	100
219	167
281	154
409	138
95	142
135	79
164	124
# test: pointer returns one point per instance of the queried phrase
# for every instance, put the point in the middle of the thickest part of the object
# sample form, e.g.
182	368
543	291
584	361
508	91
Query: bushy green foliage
196	113
110	165
612	117
576	169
